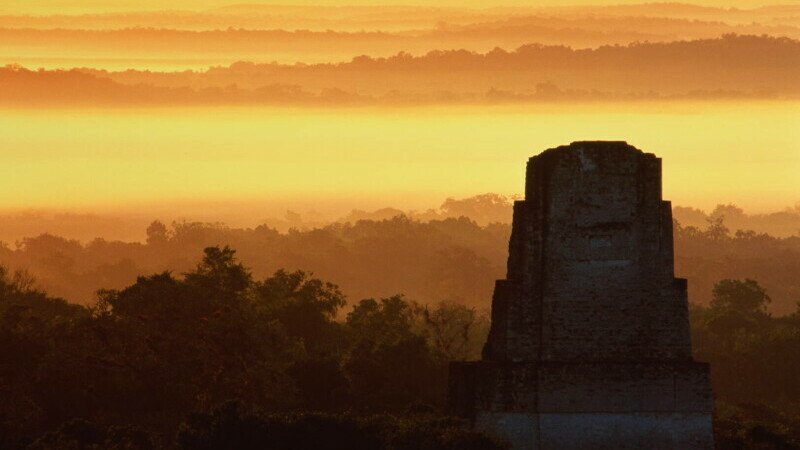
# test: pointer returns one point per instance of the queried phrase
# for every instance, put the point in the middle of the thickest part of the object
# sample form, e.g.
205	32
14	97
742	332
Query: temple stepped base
587	405
565	431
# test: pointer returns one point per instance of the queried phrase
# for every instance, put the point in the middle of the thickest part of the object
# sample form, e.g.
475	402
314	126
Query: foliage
228	427
754	363
82	435
390	367
428	256
705	256
145	356
745	297
126	372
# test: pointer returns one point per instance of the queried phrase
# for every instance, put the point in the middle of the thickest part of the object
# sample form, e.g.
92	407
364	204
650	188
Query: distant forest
728	67
453	253
315	34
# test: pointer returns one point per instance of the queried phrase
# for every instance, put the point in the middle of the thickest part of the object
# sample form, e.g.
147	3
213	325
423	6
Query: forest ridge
390	55
730	67
453	253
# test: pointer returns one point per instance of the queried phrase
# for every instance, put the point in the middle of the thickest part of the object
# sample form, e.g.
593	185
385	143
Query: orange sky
77	6
722	112
112	159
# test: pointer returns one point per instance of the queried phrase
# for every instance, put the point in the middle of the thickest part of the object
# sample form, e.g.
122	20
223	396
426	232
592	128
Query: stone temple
589	345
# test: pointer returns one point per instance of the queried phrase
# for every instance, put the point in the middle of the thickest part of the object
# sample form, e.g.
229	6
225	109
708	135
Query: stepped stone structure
589	345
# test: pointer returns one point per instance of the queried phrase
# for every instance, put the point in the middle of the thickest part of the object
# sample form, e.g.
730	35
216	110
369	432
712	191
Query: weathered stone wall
590	328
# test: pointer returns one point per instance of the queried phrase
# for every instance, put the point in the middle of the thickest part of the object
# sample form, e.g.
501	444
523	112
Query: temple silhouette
589	345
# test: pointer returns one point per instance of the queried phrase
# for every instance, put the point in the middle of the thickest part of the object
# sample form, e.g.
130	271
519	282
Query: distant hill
732	66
